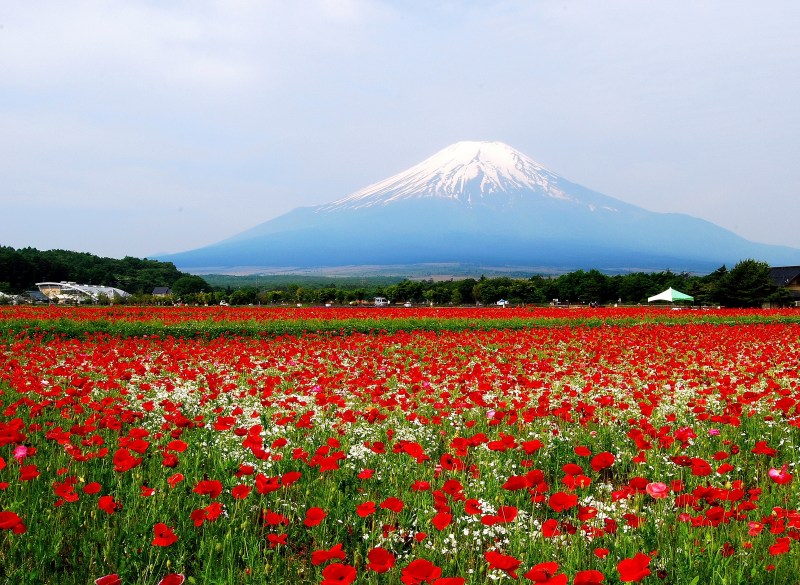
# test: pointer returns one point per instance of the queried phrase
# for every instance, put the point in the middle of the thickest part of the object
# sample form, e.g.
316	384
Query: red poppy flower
175	479
108	505
177	445
590	577
380	560
274	518
763	448
454	488
504	515
198	516
515	482
163	535
545	573
210	487
314	516
172	579
442	520
472	507
781	546
240	491
602	460
277	539
576	481
451	462
725	468
213	511
366	509
420	571
28	472
634	569
586	513
393	504
266	485
112	579
124	461
91	488
10	521
700	467
561	501
338	574
323	556
502	562
550	528
290	477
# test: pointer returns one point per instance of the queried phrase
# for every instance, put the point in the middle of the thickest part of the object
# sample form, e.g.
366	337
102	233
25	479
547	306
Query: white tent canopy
670	295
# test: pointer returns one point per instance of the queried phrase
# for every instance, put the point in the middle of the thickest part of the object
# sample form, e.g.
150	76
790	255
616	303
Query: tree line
745	285
21	269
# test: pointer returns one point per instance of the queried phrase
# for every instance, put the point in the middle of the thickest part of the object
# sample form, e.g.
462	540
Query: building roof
90	290
162	290
783	275
36	295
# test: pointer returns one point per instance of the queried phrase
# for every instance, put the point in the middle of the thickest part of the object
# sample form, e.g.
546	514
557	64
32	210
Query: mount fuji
482	204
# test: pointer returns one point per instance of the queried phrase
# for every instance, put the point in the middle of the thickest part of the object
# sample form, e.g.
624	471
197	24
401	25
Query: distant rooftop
55	290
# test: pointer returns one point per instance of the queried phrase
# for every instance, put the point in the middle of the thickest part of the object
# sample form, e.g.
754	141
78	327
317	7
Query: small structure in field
787	278
72	292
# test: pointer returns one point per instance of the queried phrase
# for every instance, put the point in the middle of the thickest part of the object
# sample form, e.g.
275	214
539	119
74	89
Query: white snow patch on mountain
466	171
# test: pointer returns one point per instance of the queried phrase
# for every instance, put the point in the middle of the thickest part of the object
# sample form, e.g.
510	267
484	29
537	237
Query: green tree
244	296
189	285
746	285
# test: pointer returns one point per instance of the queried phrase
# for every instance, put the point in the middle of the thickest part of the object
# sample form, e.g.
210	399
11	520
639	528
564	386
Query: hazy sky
141	127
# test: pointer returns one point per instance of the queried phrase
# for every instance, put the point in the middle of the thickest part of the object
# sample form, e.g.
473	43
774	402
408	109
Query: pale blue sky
135	128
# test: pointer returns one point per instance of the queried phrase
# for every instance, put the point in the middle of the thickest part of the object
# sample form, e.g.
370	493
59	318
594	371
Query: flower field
435	447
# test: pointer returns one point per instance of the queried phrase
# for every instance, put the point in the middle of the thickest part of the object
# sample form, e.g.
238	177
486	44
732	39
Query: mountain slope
482	203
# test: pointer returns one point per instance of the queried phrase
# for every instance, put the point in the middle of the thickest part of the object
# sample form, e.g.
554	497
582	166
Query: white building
72	292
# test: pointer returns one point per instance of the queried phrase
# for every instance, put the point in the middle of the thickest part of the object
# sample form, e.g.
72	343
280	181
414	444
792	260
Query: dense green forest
745	285
21	269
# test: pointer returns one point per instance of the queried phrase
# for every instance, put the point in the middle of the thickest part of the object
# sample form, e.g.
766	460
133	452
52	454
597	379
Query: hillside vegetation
21	269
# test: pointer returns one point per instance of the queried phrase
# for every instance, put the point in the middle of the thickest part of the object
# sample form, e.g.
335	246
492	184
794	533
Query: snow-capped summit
481	204
469	172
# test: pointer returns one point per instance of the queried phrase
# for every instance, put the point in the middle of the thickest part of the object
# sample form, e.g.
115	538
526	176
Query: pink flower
780	477
657	490
20	452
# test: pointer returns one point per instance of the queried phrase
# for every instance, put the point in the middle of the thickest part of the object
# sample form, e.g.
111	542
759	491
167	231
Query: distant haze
140	128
